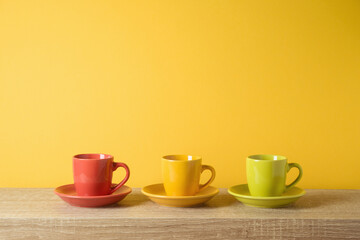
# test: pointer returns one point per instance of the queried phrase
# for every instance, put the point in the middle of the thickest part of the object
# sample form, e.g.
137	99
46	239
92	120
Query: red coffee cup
93	174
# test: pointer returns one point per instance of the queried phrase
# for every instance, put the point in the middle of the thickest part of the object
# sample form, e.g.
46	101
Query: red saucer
68	194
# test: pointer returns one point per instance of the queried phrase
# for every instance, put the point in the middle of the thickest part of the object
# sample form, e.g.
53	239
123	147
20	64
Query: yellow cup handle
212	170
291	165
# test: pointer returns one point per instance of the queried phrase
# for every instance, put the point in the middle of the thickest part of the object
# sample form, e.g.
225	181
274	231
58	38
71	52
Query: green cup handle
291	165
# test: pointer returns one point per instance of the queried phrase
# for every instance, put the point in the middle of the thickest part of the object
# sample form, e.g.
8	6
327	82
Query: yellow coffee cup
181	174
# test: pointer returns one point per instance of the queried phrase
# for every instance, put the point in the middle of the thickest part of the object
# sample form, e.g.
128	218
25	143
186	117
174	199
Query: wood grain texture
40	214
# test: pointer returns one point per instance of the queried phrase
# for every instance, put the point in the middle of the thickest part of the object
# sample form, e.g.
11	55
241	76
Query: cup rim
181	157
257	157
93	156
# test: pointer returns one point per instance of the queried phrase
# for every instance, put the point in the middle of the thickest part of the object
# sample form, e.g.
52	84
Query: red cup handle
115	166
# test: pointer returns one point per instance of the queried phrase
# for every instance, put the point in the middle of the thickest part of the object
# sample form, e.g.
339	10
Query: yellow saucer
156	193
241	193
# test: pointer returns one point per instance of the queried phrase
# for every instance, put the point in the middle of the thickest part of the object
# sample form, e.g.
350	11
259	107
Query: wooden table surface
40	214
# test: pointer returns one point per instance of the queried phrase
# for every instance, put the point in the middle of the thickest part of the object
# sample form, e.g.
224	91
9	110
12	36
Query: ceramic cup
181	175
93	174
266	174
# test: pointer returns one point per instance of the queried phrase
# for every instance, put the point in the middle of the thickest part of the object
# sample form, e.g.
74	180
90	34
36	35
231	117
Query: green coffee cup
266	174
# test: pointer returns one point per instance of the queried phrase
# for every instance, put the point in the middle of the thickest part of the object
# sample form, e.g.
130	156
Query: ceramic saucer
241	193
68	194
156	193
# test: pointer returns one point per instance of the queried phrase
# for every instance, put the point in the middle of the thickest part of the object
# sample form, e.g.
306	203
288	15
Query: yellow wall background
142	79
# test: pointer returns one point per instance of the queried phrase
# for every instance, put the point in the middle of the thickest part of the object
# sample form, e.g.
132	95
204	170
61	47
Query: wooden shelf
40	214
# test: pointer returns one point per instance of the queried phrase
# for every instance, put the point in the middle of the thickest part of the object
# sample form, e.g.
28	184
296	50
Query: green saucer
241	193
